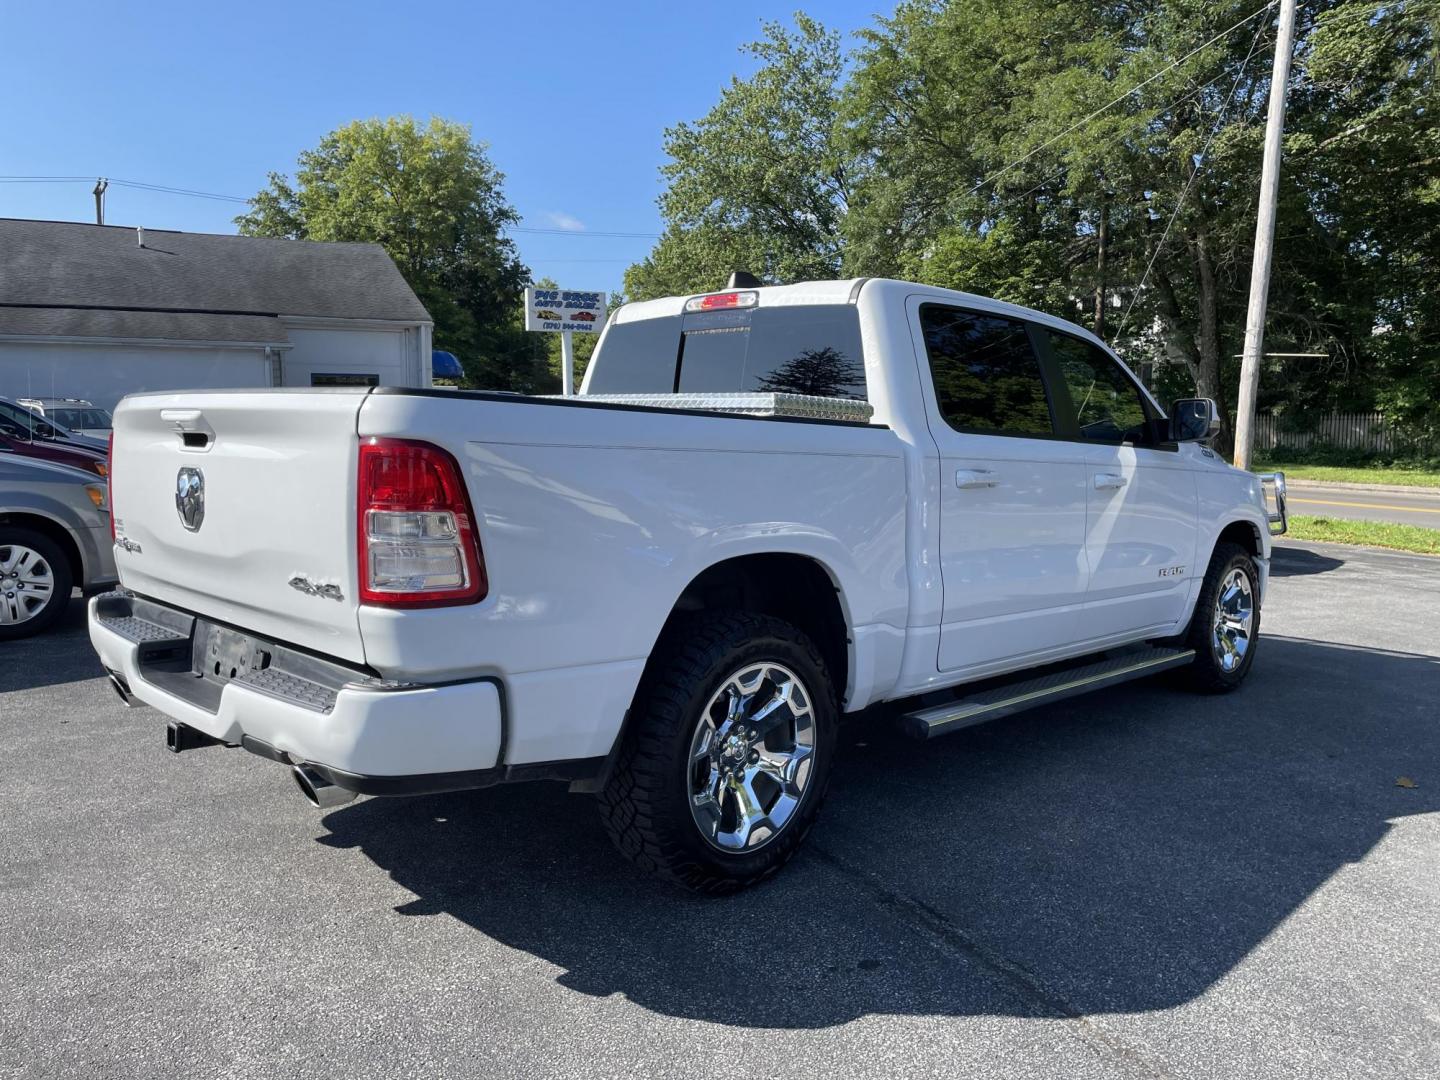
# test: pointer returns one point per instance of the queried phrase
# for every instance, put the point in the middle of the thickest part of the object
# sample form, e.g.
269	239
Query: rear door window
986	373
806	349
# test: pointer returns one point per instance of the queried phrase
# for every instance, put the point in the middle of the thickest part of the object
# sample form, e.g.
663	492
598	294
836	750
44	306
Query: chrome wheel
751	757
26	583
1234	618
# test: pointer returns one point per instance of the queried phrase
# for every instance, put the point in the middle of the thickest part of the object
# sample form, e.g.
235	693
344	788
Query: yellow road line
1365	506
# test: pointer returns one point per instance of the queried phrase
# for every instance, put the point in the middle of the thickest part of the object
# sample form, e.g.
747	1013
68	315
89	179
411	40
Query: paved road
1148	884
1394	506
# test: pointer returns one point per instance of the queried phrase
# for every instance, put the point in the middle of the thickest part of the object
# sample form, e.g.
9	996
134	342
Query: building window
330	378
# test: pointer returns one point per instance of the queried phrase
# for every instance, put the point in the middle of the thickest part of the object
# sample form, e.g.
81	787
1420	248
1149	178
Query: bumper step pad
195	659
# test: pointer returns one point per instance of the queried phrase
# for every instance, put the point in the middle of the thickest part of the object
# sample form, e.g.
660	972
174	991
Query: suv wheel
725	761
1225	628
35	581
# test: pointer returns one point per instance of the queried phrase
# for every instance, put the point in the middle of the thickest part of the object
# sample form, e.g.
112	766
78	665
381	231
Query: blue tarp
445	365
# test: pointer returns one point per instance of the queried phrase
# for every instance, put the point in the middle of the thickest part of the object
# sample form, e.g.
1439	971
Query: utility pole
1264	239
100	186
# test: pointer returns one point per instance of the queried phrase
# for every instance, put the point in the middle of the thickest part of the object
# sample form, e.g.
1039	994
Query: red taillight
418	544
110	481
720	301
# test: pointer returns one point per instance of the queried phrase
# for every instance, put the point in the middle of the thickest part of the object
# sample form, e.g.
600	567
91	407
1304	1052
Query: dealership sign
564	310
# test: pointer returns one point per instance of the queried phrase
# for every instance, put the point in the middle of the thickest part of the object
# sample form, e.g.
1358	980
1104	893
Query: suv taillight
417	540
109	482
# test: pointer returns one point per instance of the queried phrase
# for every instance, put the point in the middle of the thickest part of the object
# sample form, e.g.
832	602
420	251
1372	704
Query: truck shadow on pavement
1119	854
1289	561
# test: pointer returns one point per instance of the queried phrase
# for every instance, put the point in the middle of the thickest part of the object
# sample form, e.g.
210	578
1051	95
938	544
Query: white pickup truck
768	507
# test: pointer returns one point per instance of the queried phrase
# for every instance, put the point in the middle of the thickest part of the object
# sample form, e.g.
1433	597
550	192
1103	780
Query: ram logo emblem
190	497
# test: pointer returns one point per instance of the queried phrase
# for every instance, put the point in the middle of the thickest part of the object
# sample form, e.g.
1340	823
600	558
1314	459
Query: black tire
646	803
60	572
1209	674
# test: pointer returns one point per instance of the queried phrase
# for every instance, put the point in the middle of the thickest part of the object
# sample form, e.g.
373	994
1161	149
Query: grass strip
1381	534
1354	474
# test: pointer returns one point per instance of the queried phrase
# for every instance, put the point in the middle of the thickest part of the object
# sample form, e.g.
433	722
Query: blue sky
572	99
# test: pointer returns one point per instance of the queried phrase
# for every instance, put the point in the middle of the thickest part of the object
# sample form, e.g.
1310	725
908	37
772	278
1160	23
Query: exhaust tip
122	689
319	792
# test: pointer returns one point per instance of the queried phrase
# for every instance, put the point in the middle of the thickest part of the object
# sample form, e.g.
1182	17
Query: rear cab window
811	349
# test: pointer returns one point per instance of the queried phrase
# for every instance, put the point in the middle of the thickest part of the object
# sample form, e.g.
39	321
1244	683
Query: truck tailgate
273	550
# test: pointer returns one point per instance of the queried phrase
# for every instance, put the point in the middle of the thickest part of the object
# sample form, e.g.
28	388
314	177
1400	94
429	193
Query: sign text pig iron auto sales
564	309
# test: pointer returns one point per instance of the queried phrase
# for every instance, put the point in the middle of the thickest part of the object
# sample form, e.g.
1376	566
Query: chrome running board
1014	697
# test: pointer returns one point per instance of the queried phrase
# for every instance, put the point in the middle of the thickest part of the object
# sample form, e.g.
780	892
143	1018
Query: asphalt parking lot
1144	884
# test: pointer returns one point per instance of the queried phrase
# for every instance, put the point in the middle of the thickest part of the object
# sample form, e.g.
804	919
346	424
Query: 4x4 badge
190	497
324	590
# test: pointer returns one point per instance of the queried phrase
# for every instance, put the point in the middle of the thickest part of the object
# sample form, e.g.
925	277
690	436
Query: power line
583	232
141	185
1116	100
165	189
1114	137
137	184
1200	163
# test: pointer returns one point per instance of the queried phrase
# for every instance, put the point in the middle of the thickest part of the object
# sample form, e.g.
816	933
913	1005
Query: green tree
1001	148
1364	151
430	196
1100	162
1007	159
761	182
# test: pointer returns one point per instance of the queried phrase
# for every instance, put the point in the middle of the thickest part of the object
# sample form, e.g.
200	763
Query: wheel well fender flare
797	586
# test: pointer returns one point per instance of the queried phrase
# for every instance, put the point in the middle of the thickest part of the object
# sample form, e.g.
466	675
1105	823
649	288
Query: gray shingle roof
140	325
68	264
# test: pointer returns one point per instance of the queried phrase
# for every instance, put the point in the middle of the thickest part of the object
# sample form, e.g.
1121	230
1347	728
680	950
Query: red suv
25	434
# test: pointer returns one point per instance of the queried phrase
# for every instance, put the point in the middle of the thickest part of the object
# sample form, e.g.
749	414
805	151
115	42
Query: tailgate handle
194	430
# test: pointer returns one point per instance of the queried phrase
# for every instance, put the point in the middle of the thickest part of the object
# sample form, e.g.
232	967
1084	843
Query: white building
100	311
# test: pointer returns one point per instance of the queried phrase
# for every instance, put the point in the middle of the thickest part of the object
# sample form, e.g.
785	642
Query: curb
1397	489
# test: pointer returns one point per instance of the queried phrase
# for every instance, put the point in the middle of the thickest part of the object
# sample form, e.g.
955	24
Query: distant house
100	311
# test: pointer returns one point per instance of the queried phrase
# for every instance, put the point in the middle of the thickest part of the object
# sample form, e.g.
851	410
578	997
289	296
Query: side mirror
1194	420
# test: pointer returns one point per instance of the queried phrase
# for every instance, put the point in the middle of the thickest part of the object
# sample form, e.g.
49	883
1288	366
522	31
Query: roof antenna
140	234
739	279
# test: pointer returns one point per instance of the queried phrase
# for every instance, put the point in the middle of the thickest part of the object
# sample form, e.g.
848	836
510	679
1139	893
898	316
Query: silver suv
54	535
75	414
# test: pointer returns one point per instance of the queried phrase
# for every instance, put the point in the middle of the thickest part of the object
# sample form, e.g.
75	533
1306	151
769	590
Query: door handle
975	478
1106	481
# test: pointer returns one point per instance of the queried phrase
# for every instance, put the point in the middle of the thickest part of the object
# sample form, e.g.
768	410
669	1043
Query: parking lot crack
943	934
